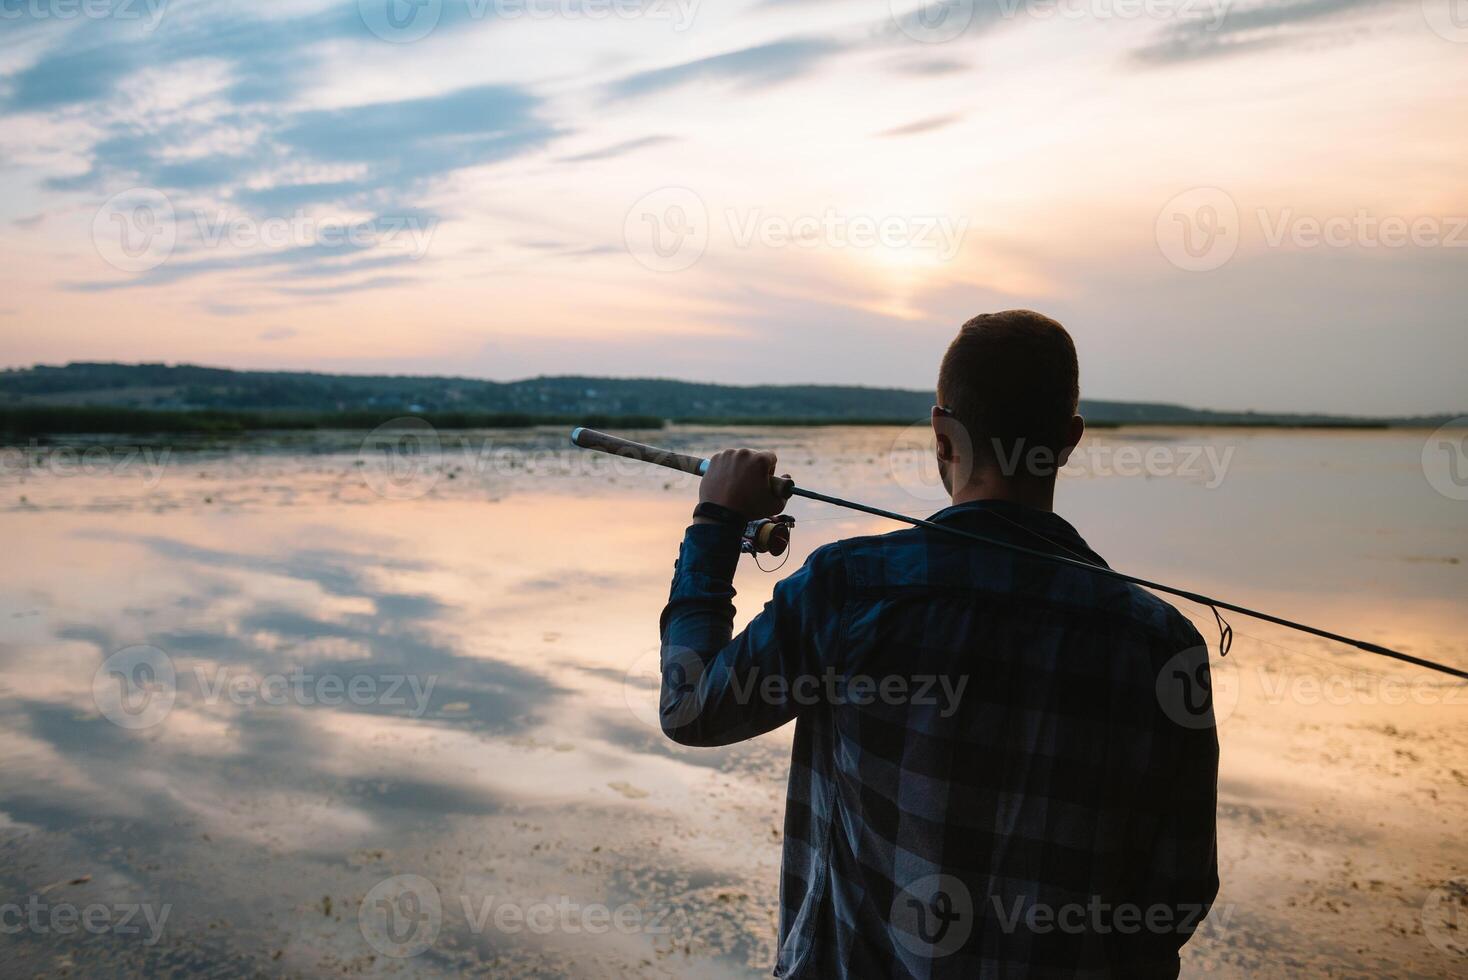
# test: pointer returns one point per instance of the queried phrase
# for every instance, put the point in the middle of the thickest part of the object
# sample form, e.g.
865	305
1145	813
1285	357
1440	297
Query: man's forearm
697	622
700	611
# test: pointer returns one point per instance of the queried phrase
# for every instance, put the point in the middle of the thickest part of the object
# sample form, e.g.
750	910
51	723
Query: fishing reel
767	536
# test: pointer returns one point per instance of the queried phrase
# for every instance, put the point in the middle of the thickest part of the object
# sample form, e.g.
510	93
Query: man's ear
1073	433
943	429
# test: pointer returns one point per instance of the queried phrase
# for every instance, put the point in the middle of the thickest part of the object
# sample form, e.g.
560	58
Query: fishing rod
784	487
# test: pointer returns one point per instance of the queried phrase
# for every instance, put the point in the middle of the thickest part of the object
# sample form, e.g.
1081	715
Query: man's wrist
709	512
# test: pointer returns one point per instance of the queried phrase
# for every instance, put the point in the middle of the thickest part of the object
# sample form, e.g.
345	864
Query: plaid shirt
987	779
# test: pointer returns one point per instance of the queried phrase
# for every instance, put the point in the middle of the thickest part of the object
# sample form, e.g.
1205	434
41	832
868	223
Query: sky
1235	205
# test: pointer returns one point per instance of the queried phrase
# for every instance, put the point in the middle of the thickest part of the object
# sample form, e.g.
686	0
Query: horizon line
693	381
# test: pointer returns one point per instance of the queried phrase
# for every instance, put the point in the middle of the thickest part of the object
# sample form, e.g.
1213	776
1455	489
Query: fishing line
775	568
784	487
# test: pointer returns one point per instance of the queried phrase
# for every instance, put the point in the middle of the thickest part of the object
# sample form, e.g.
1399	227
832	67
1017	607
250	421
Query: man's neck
1039	493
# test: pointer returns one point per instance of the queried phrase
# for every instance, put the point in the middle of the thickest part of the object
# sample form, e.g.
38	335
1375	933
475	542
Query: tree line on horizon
72	397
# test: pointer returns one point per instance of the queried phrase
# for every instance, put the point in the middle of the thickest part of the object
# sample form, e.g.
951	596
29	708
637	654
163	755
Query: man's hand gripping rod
616	446
771	536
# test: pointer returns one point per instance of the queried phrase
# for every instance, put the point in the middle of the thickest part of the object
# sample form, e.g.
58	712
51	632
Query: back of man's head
1011	381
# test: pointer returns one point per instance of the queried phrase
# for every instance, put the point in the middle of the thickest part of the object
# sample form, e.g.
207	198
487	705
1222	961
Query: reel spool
767	536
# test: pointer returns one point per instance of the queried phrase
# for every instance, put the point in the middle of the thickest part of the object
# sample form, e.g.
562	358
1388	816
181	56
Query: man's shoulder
1162	619
911	558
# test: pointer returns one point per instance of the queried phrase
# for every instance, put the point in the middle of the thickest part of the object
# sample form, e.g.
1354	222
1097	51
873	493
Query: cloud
1247	29
933	66
424	137
264	54
618	149
391	146
284	198
755	67
377	282
66	78
279	333
922	126
227	309
261	64
321	260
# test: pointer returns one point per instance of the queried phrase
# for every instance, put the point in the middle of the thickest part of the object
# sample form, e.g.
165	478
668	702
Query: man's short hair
1012	381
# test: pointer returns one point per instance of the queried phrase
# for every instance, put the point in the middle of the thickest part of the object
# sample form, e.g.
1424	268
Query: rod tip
576	435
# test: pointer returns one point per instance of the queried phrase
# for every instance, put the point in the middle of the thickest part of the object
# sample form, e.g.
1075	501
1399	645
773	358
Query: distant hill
187	387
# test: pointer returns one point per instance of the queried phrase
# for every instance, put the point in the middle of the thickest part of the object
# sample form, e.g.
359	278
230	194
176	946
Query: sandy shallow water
495	600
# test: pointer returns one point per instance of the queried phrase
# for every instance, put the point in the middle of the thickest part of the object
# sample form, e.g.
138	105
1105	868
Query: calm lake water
308	705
